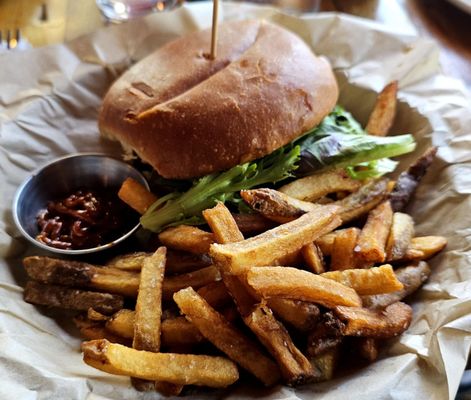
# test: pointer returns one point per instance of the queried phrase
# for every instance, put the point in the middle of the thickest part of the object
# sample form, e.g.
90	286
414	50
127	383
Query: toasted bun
188	116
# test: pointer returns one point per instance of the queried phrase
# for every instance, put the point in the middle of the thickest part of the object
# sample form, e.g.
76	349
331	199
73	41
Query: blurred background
26	23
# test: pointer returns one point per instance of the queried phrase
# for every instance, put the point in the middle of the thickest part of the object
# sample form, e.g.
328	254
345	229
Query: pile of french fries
318	271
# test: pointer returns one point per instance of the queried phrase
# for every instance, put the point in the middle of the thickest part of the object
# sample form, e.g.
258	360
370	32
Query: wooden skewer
214	30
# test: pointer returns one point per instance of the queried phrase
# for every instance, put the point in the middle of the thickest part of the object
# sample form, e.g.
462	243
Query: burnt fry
384	111
269	246
179	262
400	236
253	223
342	255
275	205
408	181
187	238
292	283
315	186
380	324
71	299
180	369
411	277
313	258
372	240
368	348
368	281
226	337
295	367
363	200
79	274
136	196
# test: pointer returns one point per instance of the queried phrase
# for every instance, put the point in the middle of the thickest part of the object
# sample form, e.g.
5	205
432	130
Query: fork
10	42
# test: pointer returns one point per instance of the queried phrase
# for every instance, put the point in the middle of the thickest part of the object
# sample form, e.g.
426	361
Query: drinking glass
122	10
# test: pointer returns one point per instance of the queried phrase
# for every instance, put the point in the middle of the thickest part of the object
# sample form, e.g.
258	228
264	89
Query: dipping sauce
83	220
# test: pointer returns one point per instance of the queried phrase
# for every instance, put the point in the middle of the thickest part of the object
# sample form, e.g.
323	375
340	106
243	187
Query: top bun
189	116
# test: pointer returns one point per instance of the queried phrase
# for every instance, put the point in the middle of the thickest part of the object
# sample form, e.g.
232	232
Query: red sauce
83	220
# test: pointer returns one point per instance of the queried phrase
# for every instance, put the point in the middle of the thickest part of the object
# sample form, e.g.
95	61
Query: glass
122	10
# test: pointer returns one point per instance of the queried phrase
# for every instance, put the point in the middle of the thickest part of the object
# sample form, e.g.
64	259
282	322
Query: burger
264	110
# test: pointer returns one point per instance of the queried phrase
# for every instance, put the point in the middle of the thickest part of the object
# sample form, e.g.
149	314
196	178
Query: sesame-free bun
188	116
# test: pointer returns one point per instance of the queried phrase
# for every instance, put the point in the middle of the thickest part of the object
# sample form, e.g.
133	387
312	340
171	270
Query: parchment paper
48	106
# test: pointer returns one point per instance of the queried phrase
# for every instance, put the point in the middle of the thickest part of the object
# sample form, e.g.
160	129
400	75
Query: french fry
222	224
195	279
129	262
275	205
292	283
253	223
187	238
315	186
299	314
342	255
424	247
79	274
372	241
400	236
408	181
226	337
175	331
136	196
295	367
179	262
147	318
326	242
369	348
180	369
384	111
380	324
71	299
325	337
269	246
325	363
216	294
363	200
313	258
411	277
92	330
94	315
368	281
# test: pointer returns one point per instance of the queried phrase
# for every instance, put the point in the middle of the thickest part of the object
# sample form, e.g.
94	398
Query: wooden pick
214	30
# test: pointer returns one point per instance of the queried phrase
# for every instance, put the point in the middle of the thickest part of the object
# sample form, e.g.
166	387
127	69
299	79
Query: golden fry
136	196
372	241
400	236
226	337
382	116
313	187
342	255
381	324
411	277
129	262
269	246
216	294
187	238
368	281
222	224
292	283
424	247
313	258
180	369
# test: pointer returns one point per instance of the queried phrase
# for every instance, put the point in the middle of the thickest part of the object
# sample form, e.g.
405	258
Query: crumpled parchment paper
49	99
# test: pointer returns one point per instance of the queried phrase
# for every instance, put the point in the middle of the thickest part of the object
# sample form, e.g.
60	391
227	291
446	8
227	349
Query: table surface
53	21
